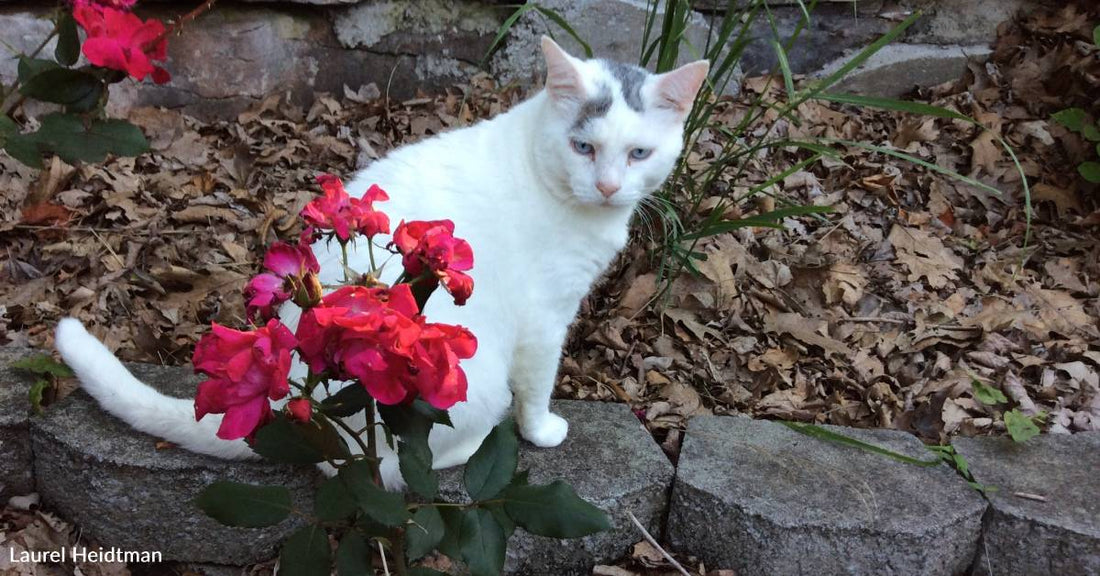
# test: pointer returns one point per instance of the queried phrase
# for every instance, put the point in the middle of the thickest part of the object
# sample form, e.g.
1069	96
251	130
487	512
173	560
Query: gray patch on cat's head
593	108
631	78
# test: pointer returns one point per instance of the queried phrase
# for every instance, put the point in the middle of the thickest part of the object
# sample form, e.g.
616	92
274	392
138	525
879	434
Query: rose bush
369	349
117	44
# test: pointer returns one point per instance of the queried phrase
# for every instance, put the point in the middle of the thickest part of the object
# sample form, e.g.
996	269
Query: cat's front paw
546	431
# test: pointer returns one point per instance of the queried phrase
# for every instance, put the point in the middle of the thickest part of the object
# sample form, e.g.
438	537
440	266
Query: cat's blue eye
583	148
640	153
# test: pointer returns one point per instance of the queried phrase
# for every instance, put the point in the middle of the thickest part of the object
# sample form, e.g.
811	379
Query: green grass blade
564	25
896	105
509	22
939	112
830	436
865	54
767	220
913	159
503	30
779	177
785	68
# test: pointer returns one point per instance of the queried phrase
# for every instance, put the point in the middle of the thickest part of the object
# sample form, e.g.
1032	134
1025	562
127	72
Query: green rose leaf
413	423
75	88
24	150
490	469
298	443
353	556
306	553
482	542
987	395
1090	171
17	145
387	508
1072	118
415	460
452	530
1096	36
334	502
348	401
29	67
1091	132
74	139
67	51
43	365
1020	426
426	532
245	505
413	419
553	510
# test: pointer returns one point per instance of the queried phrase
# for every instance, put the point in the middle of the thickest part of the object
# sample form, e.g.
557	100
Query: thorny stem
370	253
344	256
372	443
9	107
399	552
370	455
183	20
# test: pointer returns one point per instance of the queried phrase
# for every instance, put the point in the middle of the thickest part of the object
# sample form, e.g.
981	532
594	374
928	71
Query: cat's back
450	173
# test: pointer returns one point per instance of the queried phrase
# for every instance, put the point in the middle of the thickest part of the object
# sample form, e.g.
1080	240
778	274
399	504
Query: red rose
299	410
121	41
245	370
431	245
438	378
363	333
339	212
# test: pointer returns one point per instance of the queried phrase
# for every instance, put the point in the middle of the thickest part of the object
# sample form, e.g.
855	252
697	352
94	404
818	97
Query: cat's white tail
104	377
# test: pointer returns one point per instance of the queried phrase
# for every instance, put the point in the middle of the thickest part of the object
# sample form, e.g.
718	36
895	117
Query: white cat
544	194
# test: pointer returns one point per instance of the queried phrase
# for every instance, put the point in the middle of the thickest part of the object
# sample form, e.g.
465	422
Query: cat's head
613	131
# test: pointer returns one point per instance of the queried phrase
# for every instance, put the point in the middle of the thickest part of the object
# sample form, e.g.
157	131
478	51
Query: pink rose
245	371
431	246
339	212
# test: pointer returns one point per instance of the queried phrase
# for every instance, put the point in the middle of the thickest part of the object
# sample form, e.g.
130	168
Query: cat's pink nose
607	189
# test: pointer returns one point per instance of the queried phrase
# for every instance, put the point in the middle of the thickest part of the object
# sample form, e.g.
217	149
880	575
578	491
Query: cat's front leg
534	372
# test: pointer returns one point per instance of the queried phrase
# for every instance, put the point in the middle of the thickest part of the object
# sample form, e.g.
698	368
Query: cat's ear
563	80
676	90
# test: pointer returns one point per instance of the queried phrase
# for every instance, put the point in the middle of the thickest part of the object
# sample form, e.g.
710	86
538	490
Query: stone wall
753	496
243	51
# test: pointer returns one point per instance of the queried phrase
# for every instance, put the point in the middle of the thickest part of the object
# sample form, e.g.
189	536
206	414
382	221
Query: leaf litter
882	315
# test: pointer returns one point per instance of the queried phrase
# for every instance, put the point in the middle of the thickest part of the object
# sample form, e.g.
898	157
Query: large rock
1044	516
16	476
234	56
124	491
898	68
611	461
762	499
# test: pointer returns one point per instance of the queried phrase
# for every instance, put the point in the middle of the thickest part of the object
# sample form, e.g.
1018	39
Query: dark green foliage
306	553
491	468
245	505
297	443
